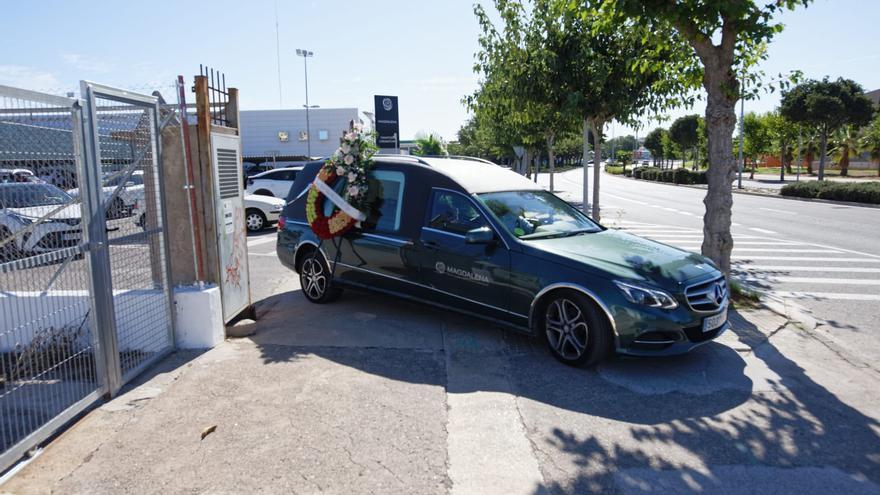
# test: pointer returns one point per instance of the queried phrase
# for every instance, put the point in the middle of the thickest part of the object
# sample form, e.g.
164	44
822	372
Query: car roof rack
410	158
462	157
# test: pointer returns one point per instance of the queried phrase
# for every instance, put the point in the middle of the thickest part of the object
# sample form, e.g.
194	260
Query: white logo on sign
440	267
386	104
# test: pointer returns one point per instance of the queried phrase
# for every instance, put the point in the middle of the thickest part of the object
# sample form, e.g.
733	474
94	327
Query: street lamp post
739	183
305	54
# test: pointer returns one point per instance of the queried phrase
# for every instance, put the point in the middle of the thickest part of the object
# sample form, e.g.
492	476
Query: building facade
283	134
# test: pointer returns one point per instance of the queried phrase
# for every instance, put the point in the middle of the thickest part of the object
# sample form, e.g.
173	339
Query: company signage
387	124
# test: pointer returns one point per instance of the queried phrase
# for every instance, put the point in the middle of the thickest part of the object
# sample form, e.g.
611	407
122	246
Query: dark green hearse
473	237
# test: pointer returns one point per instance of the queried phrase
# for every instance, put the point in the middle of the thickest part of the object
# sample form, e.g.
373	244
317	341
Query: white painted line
804	258
763	231
828	295
795	268
261	240
735	242
815	280
779	211
625	199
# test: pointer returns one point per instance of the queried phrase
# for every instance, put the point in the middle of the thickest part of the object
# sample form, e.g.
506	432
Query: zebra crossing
783	267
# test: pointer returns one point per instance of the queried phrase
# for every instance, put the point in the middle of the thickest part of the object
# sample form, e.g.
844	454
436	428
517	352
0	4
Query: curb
783	307
753	193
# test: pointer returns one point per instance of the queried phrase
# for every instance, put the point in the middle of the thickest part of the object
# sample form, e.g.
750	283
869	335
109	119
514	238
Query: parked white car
124	203
23	203
273	183
19	175
259	212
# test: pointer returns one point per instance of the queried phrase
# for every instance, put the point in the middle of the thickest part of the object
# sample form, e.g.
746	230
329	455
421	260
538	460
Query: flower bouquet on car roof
343	181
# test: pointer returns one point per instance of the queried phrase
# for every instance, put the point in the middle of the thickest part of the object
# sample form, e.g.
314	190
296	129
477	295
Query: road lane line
804	258
763	231
778	211
625	199
827	295
774	250
261	240
796	268
815	280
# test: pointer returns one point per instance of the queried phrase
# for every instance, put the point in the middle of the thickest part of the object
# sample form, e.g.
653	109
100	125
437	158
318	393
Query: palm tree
430	145
844	144
869	141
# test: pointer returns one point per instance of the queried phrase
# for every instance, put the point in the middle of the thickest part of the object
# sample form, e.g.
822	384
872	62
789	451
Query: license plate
72	236
712	322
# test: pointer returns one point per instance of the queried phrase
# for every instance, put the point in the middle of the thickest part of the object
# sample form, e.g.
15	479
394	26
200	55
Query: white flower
348	159
340	171
352	176
345	148
353	191
351	136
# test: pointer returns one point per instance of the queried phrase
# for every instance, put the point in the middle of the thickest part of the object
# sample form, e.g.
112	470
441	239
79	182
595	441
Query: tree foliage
430	144
827	105
654	143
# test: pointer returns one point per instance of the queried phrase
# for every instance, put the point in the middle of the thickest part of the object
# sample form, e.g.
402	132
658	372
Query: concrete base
198	317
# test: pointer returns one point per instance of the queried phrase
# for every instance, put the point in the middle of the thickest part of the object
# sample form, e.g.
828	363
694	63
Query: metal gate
85	298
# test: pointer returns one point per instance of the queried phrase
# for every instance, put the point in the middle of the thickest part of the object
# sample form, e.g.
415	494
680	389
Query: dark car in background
472	237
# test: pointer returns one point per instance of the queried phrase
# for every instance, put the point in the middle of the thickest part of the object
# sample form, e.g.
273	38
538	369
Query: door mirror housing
481	235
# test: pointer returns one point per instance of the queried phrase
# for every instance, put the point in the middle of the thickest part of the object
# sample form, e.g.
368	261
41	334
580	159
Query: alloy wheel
313	278
254	222
566	328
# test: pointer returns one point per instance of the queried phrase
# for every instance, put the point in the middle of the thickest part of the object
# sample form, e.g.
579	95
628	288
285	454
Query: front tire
315	279
254	220
577	333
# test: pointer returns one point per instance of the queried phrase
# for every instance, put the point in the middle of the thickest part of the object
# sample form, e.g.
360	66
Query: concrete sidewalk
372	395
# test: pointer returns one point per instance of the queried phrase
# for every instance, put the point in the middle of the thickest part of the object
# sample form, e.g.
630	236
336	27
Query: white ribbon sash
337	200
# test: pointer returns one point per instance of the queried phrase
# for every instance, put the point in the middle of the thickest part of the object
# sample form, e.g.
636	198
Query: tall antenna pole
278	56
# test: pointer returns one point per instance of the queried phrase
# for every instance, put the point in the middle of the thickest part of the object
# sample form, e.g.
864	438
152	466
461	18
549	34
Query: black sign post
387	124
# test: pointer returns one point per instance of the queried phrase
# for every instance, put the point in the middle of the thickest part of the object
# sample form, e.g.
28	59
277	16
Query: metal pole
739	183
308	130
190	179
278	56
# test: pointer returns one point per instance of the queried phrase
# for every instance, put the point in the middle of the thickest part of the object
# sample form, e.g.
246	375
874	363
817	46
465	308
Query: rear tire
315	279
575	329
9	251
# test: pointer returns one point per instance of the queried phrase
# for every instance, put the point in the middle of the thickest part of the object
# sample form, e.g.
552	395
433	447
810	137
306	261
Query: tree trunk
782	160
596	126
551	157
720	83
844	162
586	166
824	152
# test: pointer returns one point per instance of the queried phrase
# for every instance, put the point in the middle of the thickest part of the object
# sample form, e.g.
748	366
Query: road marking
827	295
261	240
763	231
778	211
735	242
815	280
796	268
804	258
626	199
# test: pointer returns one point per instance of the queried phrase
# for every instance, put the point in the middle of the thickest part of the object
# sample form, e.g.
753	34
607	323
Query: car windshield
24	195
537	214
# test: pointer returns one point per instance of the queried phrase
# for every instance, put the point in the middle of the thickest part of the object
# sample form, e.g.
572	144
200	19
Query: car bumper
272	216
658	333
691	338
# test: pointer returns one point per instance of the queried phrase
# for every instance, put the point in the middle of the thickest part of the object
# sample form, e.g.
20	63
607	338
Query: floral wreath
350	163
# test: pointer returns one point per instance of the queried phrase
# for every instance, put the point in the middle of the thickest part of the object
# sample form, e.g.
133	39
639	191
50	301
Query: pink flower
345	148
352	176
353	191
340	171
348	159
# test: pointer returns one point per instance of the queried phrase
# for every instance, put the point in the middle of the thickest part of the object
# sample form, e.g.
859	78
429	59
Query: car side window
453	212
385	200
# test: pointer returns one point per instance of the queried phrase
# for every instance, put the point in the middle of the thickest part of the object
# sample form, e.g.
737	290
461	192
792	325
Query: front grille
707	296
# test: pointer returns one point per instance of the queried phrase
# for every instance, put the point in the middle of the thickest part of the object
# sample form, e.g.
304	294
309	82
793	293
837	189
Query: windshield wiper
548	235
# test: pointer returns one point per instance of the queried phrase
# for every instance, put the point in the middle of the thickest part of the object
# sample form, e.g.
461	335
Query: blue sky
419	50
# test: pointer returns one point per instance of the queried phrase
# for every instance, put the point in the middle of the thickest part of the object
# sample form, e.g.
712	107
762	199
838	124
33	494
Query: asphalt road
825	257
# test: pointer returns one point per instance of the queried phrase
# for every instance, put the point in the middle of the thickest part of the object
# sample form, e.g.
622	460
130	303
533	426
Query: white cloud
85	63
28	78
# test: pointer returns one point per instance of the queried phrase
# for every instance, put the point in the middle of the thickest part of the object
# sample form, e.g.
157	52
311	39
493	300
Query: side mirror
482	235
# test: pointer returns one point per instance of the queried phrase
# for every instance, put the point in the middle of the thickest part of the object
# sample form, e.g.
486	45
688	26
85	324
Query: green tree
829	106
685	133
869	141
429	144
784	133
844	145
671	150
716	30
757	140
654	144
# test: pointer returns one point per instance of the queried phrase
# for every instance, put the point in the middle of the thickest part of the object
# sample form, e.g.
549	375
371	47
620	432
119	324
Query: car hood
257	201
35	212
626	256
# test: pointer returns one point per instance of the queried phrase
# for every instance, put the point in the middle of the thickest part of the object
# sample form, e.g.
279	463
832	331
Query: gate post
103	317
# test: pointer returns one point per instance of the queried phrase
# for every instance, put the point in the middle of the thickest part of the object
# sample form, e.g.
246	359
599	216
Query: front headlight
22	219
277	208
646	296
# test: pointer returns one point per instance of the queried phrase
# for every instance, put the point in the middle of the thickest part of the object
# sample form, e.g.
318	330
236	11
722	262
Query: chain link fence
85	295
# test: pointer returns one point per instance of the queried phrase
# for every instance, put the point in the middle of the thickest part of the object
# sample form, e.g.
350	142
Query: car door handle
431	244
